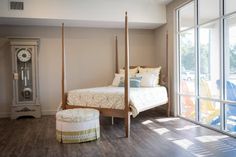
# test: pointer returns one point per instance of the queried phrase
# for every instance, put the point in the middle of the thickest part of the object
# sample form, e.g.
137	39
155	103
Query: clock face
24	55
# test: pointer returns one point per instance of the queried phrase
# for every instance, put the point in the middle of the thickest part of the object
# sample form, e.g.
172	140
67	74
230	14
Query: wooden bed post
117	66
117	62
127	114
167	69
63	95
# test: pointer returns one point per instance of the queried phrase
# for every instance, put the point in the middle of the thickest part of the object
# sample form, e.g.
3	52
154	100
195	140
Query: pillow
148	79
151	70
116	80
134	82
132	72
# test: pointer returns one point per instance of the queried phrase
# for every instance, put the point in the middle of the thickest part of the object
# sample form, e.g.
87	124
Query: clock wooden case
25	77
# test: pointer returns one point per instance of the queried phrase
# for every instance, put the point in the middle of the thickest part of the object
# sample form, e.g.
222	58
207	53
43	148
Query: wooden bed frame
105	111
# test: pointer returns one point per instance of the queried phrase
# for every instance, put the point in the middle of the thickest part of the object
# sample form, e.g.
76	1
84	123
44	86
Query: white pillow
116	80
148	79
151	70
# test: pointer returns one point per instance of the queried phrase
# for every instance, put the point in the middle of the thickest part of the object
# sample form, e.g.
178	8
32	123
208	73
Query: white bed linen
141	99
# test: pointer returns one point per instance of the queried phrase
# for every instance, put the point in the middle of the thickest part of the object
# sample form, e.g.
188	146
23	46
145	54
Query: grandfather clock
25	77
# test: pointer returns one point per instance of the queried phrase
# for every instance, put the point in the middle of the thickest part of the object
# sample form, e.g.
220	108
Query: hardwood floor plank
152	134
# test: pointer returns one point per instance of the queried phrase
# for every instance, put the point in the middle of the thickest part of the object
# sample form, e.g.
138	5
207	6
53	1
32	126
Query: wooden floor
151	135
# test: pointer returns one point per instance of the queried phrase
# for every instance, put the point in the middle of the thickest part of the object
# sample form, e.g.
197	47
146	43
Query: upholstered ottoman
77	125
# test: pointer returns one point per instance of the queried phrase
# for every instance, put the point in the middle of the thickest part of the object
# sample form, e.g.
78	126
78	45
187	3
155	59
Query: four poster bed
115	101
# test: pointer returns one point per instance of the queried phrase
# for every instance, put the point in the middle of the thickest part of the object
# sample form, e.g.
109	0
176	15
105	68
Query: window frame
223	102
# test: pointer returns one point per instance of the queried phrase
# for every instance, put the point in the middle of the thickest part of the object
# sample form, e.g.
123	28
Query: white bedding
141	99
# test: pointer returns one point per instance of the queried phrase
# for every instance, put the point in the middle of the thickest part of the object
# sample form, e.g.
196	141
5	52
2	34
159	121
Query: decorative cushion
134	82
151	70
148	79
77	125
116	80
132	72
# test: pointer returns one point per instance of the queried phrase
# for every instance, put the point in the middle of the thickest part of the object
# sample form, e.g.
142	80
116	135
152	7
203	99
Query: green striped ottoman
77	125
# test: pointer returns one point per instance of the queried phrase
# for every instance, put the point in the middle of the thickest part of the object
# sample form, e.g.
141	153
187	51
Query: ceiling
143	14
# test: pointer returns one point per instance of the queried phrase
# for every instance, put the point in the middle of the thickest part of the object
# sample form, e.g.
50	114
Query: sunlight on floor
147	122
184	143
161	120
210	138
218	143
192	148
209	143
187	127
171	138
161	131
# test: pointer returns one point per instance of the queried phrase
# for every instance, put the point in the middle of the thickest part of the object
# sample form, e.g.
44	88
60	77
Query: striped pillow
135	82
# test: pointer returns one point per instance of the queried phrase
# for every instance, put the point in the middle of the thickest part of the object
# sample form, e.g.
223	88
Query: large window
206	48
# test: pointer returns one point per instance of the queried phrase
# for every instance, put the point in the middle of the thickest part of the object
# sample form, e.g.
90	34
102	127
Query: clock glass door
24	70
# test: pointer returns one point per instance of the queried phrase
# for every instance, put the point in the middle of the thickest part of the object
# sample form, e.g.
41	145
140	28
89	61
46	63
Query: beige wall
90	59
161	48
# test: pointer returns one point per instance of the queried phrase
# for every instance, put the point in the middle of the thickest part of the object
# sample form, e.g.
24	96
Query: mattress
141	99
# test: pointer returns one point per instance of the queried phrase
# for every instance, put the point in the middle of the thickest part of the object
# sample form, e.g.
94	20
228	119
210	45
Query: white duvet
141	99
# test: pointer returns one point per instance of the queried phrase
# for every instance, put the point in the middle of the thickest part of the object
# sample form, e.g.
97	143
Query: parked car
188	75
204	77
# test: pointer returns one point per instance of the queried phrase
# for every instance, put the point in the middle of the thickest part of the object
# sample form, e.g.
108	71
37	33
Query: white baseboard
44	113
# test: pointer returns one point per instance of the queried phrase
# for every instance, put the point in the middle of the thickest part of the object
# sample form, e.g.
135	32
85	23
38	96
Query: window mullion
197	106
222	70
